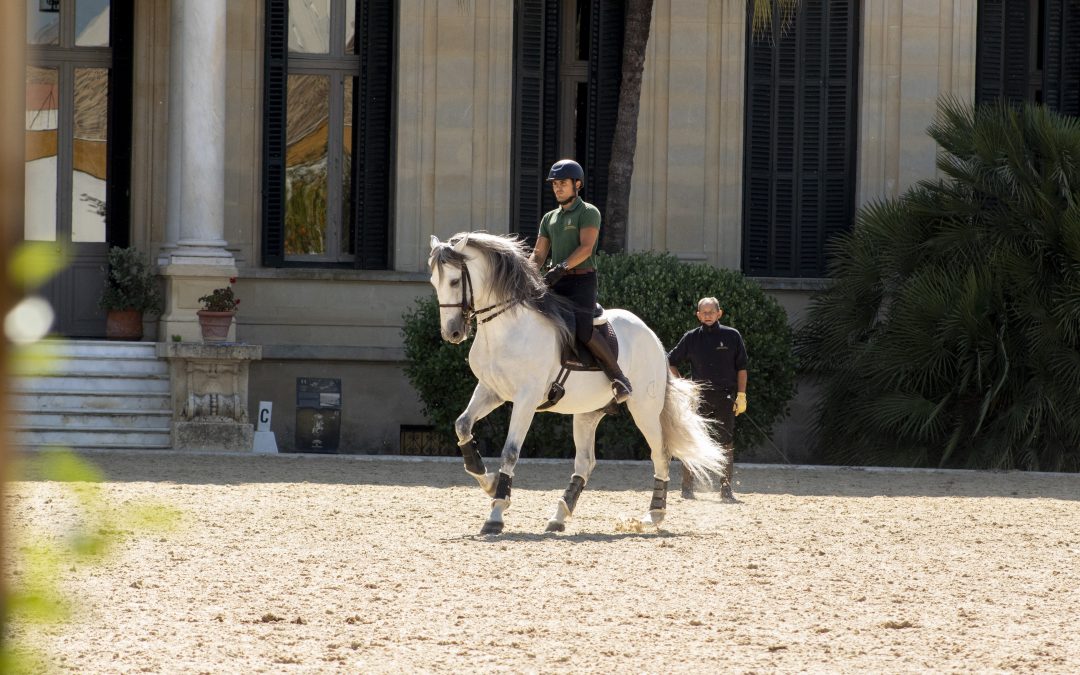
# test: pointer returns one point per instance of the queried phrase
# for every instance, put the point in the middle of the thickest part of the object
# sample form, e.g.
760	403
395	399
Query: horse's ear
459	246
434	242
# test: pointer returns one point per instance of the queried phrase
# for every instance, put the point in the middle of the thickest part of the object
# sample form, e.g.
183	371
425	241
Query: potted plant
217	313
131	290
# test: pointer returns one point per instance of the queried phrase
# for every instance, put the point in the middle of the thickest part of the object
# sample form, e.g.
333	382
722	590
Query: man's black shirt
716	354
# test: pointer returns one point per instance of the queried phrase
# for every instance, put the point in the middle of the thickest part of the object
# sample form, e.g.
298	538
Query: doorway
77	147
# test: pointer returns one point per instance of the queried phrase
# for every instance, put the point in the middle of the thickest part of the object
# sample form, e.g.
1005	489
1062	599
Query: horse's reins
466	304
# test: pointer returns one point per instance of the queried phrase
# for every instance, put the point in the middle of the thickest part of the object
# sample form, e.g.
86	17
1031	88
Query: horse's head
454	281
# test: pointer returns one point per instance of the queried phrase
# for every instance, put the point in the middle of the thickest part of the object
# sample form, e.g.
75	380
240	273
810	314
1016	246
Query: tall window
1029	50
327	147
567	73
799	187
574	39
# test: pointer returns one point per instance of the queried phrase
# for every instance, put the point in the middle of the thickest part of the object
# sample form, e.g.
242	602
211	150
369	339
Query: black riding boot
620	386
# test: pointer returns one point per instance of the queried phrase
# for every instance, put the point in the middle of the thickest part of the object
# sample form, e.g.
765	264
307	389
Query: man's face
708	315
563	189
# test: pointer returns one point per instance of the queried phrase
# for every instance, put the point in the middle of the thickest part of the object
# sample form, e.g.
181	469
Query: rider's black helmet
566	168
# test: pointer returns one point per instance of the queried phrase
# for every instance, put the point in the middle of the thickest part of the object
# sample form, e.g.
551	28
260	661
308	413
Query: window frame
371	69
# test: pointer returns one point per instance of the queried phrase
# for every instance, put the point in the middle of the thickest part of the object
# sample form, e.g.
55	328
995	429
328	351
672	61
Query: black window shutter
799	187
1061	56
121	81
837	187
274	94
605	79
1001	55
374	123
535	110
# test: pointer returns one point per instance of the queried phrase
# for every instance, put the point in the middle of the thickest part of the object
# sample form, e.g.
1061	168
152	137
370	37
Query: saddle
577	357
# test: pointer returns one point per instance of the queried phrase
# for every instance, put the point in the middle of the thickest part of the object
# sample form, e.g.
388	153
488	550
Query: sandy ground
336	564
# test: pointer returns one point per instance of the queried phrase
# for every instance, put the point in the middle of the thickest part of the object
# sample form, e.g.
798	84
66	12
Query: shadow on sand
619	476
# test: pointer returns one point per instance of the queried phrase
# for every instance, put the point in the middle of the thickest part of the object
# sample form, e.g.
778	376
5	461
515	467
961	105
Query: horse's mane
512	276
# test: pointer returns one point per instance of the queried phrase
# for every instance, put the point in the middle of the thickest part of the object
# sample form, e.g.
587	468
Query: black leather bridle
468	311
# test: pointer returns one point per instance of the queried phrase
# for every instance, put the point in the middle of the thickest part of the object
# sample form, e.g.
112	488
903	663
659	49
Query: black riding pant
580	289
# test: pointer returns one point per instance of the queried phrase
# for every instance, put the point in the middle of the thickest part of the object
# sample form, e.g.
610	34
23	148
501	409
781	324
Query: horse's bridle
468	311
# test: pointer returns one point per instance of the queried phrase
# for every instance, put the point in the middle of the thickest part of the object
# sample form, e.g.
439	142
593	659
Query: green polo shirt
562	228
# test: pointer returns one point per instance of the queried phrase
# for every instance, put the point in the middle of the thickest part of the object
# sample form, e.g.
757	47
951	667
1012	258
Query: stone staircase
97	394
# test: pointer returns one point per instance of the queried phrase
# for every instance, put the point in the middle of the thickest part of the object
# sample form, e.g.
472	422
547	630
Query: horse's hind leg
481	404
584	462
651	429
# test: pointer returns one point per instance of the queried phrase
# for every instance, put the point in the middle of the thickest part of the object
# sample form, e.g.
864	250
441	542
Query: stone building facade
235	125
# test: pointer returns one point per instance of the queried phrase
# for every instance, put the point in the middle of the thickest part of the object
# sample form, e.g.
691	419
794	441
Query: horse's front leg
520	420
483	401
584	461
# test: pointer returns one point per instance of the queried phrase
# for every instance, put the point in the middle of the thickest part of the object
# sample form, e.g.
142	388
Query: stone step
92	400
117	420
91	385
99	349
108	367
72	436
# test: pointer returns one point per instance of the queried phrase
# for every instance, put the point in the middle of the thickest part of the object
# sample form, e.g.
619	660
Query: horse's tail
686	433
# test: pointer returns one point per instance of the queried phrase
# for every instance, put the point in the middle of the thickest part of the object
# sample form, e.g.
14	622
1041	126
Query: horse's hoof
554	526
492	527
654	517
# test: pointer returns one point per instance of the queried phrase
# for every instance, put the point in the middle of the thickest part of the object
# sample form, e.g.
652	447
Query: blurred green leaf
35	262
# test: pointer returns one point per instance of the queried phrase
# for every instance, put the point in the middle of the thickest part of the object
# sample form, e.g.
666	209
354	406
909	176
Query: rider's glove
554	274
740	403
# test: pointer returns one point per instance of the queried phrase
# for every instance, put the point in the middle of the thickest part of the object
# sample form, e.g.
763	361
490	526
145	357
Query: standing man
717	359
570	234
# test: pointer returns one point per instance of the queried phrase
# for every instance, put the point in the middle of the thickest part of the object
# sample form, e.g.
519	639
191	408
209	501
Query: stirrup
555	394
621	390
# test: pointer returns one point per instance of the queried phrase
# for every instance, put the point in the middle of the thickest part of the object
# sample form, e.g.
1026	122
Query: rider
570	233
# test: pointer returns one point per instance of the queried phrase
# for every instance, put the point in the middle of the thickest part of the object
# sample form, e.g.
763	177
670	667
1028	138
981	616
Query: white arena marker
264	437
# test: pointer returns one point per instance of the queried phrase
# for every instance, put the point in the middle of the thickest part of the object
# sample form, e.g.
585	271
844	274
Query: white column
175	133
195	260
197	133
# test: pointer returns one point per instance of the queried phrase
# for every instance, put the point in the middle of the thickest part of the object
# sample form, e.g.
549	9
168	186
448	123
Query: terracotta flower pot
215	325
123	324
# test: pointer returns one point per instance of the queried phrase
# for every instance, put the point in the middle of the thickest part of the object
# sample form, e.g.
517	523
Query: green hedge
664	293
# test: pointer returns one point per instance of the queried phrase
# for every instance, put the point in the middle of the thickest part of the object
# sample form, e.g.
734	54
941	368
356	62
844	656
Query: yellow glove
740	404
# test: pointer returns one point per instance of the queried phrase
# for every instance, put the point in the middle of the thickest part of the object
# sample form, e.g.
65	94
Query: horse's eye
454	283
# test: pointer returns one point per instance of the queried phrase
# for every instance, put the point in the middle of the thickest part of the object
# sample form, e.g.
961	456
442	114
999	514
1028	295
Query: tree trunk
12	172
624	145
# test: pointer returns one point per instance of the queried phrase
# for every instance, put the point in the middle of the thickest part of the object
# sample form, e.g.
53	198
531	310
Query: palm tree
767	15
950	334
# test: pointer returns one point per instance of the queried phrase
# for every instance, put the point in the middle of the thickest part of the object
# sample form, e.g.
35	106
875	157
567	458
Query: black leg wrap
474	464
502	489
659	495
570	497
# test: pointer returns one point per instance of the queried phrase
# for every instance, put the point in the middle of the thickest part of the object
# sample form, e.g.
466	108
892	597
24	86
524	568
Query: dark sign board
318	414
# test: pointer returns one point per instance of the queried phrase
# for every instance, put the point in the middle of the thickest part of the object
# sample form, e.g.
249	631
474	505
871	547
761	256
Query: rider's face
563	188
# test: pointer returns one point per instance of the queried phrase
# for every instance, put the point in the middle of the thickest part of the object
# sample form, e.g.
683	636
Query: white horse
516	355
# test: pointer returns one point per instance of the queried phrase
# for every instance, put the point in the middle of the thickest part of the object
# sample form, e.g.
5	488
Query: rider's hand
554	274
740	403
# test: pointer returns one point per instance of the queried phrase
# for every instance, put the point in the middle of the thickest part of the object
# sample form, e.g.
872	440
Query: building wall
454	67
686	194
452	158
914	51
